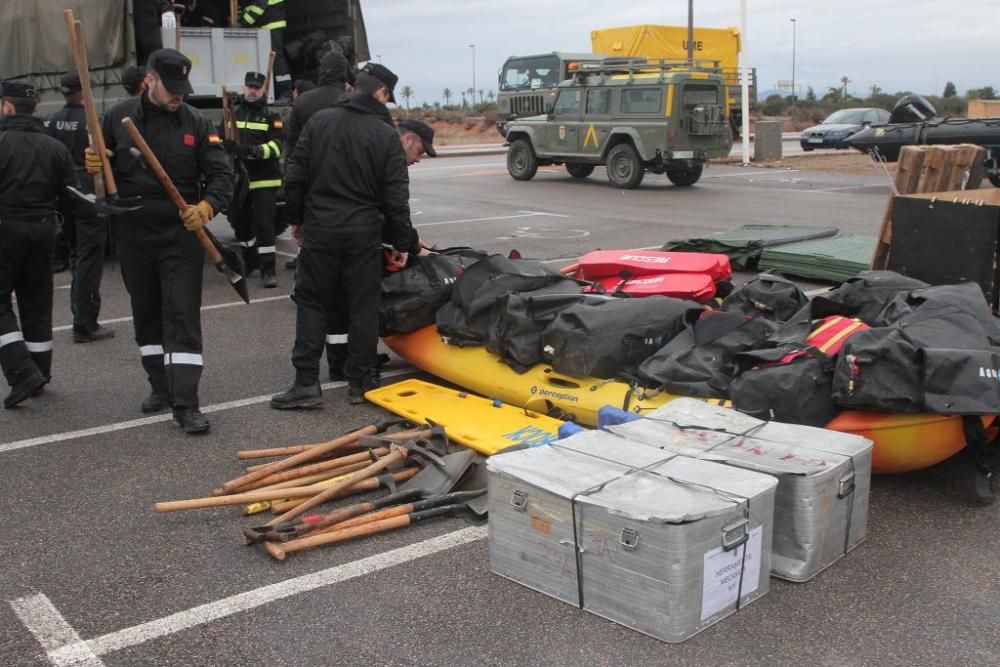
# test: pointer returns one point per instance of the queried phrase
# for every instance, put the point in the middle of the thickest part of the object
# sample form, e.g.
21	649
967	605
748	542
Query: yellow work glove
91	161
197	216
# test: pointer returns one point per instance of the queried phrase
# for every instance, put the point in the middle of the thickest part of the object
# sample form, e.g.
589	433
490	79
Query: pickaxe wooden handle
267	75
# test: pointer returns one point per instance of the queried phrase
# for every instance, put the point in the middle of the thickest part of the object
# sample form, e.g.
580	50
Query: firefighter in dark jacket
259	147
150	15
161	258
346	180
34	172
90	232
270	15
335	79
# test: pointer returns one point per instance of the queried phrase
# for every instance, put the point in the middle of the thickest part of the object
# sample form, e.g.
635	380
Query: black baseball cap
18	89
254	79
173	68
132	79
383	74
70	83
422	130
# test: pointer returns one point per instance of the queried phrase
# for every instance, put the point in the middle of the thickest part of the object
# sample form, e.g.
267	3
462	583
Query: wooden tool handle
279	551
378	515
233	11
238	498
363	485
271	452
323	466
168	185
267	75
78	46
301	457
326	494
306	479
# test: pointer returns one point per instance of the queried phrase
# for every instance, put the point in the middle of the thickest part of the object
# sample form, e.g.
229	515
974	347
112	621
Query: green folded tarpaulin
744	245
834	259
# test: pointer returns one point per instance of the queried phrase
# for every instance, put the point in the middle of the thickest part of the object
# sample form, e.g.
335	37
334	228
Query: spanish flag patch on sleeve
278	124
214	139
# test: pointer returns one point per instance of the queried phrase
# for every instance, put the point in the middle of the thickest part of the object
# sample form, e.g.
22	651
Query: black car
841	124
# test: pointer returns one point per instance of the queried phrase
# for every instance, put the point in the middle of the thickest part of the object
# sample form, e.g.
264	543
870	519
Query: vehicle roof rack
633	66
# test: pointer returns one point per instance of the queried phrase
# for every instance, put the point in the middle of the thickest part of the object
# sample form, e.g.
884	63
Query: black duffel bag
936	358
412	297
465	320
796	390
609	337
701	360
866	295
520	319
767	295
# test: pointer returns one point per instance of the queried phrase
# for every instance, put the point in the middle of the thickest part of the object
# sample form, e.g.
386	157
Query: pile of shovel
424	474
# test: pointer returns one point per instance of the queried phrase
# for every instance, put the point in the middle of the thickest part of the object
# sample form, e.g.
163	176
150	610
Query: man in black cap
132	80
161	262
417	138
270	15
335	79
35	170
259	147
346	180
89	232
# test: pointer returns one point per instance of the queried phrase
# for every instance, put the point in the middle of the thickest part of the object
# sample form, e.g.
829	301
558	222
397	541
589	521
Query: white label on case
722	574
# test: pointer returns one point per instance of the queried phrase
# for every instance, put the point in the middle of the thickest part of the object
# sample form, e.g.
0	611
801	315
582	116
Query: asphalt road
92	576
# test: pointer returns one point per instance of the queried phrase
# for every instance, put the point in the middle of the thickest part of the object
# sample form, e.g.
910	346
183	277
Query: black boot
91	334
26	384
298	396
191	420
356	390
250	260
155	402
267	278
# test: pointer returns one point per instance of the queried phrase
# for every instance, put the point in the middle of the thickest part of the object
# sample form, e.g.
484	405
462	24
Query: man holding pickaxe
35	170
161	260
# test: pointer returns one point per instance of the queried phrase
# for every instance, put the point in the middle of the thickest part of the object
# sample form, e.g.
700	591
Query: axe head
111	205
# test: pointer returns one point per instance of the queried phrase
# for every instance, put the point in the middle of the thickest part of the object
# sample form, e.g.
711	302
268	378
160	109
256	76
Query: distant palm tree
407	93
844	80
447	97
463	99
480	95
491	96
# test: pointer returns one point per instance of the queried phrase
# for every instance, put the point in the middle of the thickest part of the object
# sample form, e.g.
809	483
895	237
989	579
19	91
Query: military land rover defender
662	117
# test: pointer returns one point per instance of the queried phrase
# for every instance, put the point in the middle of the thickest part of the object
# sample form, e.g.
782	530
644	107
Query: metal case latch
735	534
846	485
629	539
519	500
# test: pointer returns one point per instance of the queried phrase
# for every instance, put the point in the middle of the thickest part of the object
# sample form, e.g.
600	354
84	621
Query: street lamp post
794	96
473	47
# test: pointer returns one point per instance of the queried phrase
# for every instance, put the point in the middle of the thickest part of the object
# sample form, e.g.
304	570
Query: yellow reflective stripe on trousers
244	125
275	25
272	3
274	183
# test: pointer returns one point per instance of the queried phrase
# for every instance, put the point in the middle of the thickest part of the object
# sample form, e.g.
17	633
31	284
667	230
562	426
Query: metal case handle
629	539
846	485
735	534
519	500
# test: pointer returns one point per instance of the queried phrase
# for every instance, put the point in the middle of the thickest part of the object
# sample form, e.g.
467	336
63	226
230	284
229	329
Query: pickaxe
227	261
106	199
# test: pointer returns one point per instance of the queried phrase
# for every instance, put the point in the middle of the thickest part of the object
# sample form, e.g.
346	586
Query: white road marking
64	647
520	214
751	173
154	419
52	631
215	306
850	187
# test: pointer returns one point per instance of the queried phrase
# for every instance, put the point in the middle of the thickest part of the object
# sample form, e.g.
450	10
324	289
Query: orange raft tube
903	442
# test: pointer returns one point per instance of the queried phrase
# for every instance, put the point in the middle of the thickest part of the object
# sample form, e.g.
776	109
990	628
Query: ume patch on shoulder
214	139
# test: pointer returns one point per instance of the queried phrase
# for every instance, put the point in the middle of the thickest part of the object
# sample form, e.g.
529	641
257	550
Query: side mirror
549	106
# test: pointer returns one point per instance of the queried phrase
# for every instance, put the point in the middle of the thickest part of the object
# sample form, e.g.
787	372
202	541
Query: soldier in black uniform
69	125
161	262
346	180
270	15
34	172
259	147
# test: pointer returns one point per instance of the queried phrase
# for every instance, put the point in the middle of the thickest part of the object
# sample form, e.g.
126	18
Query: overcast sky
896	44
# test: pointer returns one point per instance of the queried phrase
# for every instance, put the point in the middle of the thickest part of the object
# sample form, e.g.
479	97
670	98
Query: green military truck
663	118
35	47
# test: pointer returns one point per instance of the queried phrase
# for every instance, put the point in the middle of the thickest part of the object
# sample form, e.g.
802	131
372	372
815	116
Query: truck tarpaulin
33	34
662	41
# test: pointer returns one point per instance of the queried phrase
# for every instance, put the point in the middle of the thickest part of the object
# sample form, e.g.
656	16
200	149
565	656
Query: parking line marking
751	173
520	214
52	631
144	421
214	306
70	653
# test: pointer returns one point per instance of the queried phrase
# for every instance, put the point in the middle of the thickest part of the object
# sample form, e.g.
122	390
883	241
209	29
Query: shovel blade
231	267
105	205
